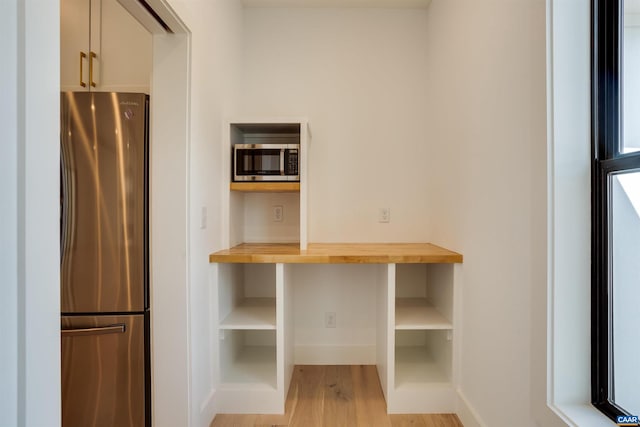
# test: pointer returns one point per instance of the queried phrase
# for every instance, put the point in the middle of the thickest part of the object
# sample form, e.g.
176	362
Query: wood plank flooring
336	396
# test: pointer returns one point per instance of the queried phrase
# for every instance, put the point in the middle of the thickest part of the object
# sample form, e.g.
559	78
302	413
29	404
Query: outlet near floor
278	213
330	319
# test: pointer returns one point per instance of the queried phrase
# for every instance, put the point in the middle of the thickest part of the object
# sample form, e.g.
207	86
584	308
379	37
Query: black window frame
606	124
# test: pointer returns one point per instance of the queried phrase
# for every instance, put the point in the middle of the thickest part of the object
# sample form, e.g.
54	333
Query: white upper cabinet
103	48
75	46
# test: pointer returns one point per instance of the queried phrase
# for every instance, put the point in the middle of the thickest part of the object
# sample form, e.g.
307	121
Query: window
615	328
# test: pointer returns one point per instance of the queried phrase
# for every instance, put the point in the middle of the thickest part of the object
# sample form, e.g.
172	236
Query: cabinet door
125	46
75	24
117	48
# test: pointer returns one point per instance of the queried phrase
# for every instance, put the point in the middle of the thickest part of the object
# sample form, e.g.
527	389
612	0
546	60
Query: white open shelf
247	214
416	366
253	372
253	365
417	313
252	313
248	358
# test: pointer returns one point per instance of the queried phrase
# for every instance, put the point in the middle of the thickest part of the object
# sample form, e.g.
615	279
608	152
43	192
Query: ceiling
338	3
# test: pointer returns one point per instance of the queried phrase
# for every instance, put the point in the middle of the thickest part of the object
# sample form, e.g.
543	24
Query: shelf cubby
248	357
248	206
252	313
247	298
420	374
422	357
424	296
418	313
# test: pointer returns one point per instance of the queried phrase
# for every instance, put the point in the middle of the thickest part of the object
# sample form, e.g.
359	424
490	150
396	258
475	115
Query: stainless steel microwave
266	162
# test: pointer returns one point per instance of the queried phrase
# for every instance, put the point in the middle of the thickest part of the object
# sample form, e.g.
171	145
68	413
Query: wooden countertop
337	253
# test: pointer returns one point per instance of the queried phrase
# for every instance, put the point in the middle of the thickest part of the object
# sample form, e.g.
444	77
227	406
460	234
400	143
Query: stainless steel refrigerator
104	259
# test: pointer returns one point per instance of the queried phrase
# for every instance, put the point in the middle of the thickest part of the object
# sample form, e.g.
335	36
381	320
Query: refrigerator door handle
103	330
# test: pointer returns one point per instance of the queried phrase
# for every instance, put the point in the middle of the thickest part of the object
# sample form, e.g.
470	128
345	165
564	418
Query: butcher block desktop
415	288
337	253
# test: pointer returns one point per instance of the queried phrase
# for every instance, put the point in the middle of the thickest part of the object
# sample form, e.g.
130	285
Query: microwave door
258	164
267	162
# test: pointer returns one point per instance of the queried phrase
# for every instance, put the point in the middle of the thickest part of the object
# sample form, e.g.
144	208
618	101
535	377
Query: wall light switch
203	218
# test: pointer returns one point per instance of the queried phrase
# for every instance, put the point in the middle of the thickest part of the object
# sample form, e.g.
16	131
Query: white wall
215	57
30	259
561	326
459	90
360	76
29	269
488	188
348	291
168	240
489	124
9	214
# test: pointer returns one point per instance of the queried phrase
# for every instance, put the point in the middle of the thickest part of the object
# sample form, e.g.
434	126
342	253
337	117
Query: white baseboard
249	399
208	409
467	414
334	355
422	399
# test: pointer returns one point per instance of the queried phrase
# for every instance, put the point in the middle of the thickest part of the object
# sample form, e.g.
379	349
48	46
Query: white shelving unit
248	357
254	331
418	313
416	344
419	363
252	313
422	357
249	212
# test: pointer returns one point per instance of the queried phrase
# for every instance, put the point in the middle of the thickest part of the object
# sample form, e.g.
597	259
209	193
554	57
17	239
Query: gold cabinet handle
92	55
82	56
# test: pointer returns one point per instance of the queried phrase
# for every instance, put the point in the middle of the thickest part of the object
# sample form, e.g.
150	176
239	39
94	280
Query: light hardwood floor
336	396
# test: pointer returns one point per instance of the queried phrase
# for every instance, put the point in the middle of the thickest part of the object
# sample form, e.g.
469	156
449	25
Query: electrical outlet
278	213
330	319
384	214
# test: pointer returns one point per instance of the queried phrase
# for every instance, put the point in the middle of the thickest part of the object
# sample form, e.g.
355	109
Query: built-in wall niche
247	324
423	339
267	211
264	156
424	296
423	357
265	133
248	357
423	324
254	323
256	219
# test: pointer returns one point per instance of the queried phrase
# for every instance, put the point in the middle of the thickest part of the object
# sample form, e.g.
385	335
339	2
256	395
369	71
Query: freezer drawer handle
103	330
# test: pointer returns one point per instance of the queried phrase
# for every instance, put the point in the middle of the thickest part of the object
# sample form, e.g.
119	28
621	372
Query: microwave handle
282	171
